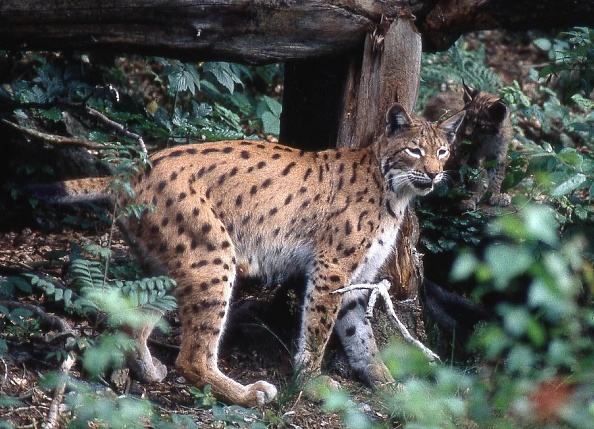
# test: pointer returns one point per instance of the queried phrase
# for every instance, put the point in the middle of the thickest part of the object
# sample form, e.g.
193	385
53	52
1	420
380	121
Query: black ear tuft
450	126
498	111
469	93
397	119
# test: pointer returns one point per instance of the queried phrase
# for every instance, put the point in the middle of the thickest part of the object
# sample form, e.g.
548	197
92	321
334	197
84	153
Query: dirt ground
251	351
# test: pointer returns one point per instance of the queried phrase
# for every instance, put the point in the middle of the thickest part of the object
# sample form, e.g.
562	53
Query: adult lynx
233	208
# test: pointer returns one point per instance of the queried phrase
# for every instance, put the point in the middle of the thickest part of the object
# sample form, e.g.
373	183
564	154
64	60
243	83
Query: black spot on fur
288	168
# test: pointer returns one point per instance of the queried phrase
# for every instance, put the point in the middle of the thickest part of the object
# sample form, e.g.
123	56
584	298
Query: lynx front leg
320	310
356	335
496	175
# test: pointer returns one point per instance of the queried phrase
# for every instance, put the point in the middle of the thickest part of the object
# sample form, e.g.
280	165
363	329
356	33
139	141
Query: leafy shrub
538	364
448	69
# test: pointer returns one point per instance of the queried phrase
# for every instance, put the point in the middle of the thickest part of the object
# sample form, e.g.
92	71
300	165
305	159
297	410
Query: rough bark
260	31
388	72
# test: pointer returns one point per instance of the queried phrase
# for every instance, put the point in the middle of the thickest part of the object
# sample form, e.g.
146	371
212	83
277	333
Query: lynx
250	208
487	126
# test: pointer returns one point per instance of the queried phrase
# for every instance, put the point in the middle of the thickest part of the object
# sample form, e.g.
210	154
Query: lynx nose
432	174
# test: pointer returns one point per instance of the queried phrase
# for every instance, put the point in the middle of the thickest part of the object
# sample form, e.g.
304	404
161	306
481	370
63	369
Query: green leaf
52	114
270	123
506	262
21	284
183	77
566	186
543	44
274	106
67	297
464	266
54	255
223	74
570	156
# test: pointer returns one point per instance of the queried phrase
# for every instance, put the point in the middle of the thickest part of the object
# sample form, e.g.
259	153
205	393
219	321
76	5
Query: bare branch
55	139
54	410
381	289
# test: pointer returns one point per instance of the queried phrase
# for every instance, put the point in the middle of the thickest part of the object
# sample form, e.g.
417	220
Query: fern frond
454	66
84	273
53	291
152	293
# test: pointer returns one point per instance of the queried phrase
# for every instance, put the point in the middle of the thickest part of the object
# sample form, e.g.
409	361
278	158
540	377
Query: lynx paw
467	206
501	200
260	393
147	368
378	375
318	387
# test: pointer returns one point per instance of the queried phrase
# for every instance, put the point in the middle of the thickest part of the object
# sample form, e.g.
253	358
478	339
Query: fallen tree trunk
260	31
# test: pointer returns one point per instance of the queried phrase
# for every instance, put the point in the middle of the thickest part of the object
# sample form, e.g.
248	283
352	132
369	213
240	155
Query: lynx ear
469	93
397	119
498	110
450	126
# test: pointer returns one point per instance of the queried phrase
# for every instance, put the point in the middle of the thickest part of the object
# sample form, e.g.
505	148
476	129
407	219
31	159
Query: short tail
94	189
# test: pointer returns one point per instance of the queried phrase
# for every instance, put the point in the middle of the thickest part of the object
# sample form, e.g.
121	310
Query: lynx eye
415	152
442	153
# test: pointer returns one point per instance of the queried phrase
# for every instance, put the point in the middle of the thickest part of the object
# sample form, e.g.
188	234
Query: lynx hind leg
204	269
356	336
145	366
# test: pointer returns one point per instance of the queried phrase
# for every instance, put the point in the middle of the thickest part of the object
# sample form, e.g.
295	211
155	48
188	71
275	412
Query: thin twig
5	378
381	289
54	410
59	140
116	126
79	105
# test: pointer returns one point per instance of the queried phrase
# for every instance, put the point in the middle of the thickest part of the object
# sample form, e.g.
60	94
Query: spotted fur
234	208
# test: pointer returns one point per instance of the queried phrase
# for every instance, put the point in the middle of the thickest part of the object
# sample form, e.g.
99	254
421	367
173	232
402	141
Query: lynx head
413	151
485	113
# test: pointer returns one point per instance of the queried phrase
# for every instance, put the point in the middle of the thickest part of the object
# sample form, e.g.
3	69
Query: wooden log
260	31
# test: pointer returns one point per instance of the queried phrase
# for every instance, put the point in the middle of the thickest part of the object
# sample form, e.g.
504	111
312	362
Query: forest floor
251	352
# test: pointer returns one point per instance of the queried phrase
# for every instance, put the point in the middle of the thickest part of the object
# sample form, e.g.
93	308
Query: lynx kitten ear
397	119
498	111
469	93
450	126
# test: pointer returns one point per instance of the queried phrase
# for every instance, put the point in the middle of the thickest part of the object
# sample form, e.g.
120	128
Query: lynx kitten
487	126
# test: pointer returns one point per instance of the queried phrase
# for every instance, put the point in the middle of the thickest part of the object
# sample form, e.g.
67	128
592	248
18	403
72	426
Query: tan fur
261	209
